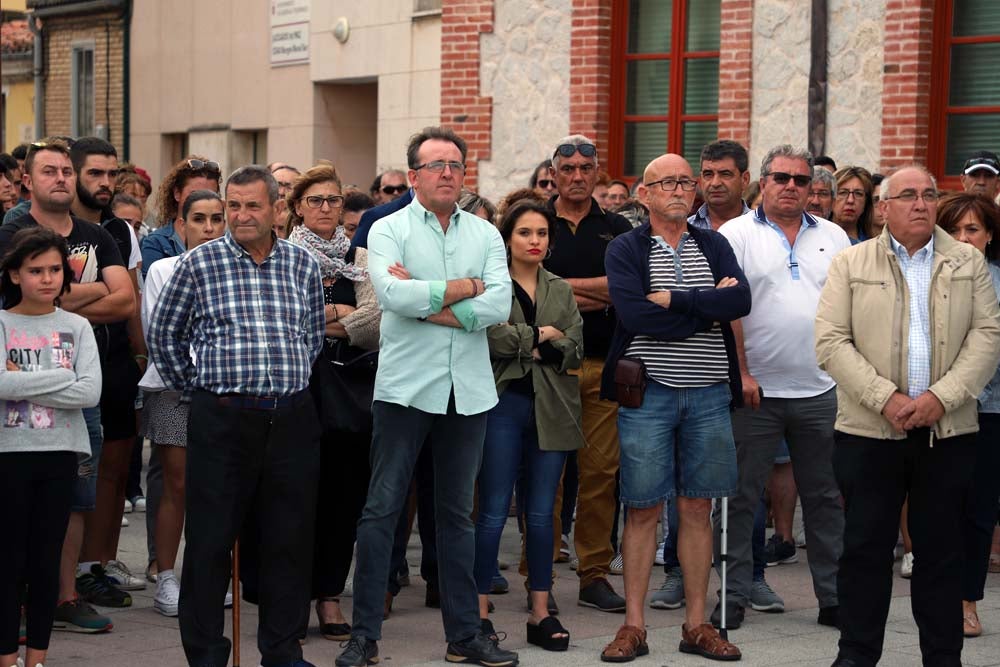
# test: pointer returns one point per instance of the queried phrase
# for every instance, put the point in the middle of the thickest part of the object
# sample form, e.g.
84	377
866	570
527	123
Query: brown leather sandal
629	643
705	641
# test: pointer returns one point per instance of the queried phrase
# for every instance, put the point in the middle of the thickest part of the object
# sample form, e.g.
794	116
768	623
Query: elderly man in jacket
909	328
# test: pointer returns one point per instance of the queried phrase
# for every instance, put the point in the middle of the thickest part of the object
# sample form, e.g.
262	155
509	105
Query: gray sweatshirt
60	373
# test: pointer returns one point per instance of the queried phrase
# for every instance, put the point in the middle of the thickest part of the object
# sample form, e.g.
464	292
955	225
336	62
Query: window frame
76	51
675	117
940	106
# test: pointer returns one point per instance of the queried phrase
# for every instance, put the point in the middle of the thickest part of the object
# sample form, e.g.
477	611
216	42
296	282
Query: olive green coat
557	393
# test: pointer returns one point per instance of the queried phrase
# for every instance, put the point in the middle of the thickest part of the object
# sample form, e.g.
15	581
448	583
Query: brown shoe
705	641
629	643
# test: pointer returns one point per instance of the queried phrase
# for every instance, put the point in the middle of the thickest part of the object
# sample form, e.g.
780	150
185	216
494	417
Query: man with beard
96	164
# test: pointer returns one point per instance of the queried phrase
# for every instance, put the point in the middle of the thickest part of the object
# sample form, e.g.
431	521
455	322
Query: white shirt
159	274
917	272
785	283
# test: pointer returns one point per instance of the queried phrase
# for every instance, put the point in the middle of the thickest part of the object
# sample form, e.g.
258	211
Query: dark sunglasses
545	183
567	150
395	189
781	178
198	165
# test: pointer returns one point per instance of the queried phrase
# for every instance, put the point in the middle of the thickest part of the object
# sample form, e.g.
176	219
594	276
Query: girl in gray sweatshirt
50	372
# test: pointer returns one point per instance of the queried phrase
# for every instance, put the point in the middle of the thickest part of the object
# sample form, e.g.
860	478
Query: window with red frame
965	98
665	80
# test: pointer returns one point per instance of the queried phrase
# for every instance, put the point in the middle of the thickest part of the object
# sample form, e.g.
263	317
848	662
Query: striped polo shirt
698	361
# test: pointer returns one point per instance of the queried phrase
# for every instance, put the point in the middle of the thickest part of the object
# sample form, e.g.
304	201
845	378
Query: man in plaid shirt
238	327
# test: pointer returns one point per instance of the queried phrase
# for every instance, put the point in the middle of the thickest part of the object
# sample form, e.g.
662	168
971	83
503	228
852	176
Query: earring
548	253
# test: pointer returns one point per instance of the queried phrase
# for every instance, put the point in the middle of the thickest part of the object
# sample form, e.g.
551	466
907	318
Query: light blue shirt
917	271
421	363
700	217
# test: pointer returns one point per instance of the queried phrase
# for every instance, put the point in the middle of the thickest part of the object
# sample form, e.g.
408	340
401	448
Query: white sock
167	574
84	568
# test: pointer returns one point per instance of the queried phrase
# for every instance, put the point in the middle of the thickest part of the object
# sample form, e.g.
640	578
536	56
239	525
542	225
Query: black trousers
875	477
981	509
238	458
37	497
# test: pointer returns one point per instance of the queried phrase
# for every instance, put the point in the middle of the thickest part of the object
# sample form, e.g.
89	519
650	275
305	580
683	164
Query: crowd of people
581	349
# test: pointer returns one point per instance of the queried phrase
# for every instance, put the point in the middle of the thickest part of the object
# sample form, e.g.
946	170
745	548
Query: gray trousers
807	425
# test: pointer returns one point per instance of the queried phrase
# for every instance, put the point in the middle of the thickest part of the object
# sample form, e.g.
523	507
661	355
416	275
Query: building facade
16	87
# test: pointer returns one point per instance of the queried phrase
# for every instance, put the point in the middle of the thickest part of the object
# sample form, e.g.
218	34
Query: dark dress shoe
829	616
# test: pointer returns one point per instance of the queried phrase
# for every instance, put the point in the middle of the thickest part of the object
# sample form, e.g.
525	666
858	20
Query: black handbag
343	386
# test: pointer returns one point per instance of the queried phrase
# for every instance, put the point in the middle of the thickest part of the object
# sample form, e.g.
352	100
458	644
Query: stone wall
525	68
854	97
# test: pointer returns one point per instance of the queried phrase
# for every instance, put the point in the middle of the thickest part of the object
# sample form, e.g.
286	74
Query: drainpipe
818	78
38	71
126	83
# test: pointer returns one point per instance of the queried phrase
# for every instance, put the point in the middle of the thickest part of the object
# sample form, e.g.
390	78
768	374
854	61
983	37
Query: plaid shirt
254	329
917	271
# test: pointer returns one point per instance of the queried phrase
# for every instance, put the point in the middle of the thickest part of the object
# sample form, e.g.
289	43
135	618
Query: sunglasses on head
567	150
781	178
208	165
395	189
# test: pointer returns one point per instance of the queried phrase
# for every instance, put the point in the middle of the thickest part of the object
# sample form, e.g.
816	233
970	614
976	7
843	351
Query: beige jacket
862	333
363	324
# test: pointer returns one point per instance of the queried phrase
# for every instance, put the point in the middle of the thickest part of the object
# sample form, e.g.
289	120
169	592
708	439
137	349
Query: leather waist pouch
630	382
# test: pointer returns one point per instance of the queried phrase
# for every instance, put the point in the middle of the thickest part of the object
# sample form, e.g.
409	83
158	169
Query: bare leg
484	606
170	517
329	611
904	527
70	557
783	494
35	656
638	550
8	660
694	551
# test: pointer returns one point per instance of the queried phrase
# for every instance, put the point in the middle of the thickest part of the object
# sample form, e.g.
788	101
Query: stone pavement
413	635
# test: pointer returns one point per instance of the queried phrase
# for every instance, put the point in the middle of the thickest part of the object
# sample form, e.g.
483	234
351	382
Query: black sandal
339	632
542	634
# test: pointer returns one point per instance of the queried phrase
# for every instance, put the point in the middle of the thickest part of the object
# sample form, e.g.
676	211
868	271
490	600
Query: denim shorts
678	443
783	455
85	489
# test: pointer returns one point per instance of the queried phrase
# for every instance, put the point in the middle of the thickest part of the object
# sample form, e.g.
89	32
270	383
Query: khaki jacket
557	393
862	333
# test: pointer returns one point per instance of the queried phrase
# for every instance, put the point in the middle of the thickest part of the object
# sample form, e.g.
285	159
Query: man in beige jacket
909	328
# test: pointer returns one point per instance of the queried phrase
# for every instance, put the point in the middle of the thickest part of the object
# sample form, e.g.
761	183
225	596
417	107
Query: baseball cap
982	160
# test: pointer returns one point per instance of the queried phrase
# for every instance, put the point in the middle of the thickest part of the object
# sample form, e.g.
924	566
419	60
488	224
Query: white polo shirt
785	283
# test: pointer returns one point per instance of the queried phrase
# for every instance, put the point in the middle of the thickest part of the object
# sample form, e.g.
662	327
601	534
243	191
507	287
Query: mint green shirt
421	363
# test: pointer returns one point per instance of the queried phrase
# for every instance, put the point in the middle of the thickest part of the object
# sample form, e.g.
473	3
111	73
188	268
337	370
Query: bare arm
751	390
82	294
118	305
594	289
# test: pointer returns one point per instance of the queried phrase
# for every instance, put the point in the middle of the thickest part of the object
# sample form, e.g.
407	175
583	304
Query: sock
84	568
167	574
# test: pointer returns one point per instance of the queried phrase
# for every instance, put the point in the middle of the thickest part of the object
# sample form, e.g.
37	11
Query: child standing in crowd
51	372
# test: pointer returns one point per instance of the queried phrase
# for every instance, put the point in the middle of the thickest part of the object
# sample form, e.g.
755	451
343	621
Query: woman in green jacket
537	421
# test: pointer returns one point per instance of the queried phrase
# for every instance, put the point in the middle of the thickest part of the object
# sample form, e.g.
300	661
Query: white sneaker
229	600
128	506
168	594
124	521
659	553
123	577
617	565
138	504
906	568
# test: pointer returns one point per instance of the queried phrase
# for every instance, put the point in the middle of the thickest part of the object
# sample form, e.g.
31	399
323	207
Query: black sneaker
734	616
600	595
480	650
780	552
96	588
358	652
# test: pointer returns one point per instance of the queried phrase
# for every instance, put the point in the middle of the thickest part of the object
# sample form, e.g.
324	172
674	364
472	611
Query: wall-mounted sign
289	32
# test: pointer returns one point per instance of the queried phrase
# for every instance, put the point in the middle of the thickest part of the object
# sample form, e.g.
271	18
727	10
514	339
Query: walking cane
236	603
723	547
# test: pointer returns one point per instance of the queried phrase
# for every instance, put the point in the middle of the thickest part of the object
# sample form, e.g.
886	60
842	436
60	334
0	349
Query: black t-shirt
119	230
580	254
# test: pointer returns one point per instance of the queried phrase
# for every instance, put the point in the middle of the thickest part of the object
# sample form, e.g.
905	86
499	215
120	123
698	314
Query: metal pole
723	548
236	603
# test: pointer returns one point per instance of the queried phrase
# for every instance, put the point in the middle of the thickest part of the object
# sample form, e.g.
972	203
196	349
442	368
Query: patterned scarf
330	254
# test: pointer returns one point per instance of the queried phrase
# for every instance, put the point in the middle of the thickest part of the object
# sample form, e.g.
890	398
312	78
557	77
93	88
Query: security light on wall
341	30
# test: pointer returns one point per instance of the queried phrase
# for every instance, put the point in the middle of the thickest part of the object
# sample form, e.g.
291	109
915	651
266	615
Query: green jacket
557	393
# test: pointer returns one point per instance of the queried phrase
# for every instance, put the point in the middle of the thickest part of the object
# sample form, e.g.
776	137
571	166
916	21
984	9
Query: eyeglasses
910	196
567	150
782	178
844	194
315	201
670	184
822	194
437	166
208	165
545	183
395	189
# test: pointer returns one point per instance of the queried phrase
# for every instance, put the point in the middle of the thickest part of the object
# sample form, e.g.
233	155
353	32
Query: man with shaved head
676	288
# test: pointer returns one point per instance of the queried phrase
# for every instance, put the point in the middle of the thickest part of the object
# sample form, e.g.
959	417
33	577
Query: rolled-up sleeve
492	306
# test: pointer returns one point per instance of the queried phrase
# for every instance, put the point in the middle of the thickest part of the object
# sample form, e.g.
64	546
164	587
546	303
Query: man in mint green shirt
441	278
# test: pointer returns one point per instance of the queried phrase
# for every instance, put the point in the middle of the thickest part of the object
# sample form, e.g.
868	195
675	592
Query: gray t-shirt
59	375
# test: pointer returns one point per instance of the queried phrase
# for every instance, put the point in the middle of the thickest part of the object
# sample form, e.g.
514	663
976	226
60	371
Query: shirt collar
761	216
240	251
701	215
903	254
428	216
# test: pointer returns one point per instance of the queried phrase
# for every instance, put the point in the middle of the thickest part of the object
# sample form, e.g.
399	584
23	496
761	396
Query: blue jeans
511	446
85	489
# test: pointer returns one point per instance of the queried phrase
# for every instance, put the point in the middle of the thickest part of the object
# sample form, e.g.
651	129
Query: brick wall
106	32
736	70
462	107
590	71
906	81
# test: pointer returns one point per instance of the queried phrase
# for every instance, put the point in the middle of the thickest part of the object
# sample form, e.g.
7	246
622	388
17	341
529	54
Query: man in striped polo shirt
675	287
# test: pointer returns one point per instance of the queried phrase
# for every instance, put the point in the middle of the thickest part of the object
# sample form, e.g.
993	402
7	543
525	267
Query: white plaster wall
854	98
780	76
524	66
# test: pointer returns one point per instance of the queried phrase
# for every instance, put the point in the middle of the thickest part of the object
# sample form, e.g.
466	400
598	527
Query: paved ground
413	635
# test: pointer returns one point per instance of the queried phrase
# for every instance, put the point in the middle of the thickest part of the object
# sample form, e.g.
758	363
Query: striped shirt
917	271
697	361
255	329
